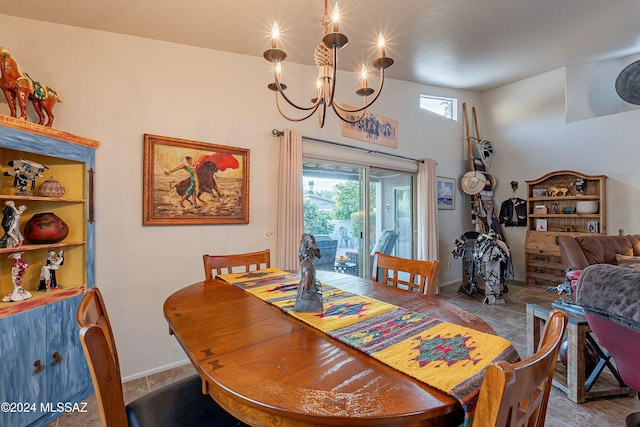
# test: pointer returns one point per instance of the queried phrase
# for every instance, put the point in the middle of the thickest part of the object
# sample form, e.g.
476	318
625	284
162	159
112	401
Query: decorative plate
628	83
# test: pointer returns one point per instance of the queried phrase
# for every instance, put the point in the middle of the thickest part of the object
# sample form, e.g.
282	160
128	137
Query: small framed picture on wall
446	189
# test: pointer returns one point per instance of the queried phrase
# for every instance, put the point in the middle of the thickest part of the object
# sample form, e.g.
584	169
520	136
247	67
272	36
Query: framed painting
191	182
371	128
446	189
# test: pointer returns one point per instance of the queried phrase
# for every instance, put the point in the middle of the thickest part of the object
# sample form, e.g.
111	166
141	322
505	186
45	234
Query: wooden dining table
268	368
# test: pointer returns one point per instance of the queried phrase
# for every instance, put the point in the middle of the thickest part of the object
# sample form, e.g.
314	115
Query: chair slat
394	271
224	264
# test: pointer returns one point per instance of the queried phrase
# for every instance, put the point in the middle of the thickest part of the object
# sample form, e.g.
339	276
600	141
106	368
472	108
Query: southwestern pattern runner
448	357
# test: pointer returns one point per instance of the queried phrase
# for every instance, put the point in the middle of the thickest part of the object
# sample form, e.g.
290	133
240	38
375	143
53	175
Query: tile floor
507	320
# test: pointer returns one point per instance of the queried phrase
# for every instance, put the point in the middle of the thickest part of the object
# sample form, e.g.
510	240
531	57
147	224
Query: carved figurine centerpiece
309	298
16	83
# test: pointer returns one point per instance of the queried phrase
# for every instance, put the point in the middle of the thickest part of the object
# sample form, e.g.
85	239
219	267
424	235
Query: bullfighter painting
190	182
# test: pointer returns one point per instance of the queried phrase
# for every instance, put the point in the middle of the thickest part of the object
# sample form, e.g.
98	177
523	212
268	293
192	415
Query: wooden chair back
224	264
517	394
92	311
105	375
408	274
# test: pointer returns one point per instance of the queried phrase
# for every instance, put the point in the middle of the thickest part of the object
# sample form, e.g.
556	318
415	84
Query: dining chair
92	310
180	403
409	274
224	264
516	395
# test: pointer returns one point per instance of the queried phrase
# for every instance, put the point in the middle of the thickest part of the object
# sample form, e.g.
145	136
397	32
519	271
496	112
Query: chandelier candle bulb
381	51
363	74
275	35
335	19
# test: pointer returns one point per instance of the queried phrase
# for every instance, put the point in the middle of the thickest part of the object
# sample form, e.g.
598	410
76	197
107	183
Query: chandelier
326	59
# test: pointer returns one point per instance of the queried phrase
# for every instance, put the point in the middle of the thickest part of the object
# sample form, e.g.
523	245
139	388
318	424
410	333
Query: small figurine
48	279
309	298
579	186
16	83
23	172
17	271
11	225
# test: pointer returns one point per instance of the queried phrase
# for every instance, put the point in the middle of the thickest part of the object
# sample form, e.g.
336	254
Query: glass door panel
392	219
333	207
335	202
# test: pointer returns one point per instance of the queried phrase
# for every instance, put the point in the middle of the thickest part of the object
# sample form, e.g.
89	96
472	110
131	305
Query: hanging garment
513	212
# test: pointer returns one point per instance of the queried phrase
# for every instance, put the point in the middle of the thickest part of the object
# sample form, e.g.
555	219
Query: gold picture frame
190	182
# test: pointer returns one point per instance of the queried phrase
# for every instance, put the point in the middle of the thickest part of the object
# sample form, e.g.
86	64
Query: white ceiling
466	44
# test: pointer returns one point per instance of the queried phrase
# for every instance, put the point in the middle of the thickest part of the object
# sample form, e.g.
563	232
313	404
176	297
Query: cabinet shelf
551	215
41	298
39	198
559	198
29	247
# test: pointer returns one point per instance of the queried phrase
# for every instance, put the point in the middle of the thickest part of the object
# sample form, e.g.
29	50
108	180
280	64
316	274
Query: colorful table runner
446	356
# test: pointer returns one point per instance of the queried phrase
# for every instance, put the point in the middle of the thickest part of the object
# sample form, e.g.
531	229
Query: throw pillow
628	261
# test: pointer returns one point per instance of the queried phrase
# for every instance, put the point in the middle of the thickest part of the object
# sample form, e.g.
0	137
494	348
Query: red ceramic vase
45	228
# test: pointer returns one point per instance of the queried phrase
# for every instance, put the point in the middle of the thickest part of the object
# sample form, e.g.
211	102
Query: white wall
117	88
525	121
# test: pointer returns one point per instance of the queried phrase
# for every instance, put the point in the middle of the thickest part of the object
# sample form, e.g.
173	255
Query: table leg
575	362
534	328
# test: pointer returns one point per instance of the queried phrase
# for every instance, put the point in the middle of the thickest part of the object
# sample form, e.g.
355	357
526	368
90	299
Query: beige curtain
427	211
290	201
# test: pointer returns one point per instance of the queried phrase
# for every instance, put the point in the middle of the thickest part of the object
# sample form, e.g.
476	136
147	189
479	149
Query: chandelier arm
293	119
346	119
290	102
367	104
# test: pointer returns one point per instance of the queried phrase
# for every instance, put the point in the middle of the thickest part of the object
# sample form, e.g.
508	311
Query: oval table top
270	369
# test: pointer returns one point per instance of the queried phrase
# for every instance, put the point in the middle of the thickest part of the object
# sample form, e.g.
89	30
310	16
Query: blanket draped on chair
611	291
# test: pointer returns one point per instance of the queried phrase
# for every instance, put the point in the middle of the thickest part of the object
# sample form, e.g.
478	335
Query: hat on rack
473	182
628	83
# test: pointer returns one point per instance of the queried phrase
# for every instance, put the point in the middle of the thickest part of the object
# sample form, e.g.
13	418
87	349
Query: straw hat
473	182
628	83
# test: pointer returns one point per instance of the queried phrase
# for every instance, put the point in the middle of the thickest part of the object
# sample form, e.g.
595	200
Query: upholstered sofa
579	252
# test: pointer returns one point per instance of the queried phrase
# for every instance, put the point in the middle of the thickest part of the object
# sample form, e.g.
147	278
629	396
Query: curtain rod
279	133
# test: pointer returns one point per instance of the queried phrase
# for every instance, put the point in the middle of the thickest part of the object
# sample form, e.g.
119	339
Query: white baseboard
155	370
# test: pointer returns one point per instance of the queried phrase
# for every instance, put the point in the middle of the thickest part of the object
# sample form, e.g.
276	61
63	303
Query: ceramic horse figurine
16	83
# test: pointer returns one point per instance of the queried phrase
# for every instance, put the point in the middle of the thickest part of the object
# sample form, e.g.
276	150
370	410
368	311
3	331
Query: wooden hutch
553	202
43	362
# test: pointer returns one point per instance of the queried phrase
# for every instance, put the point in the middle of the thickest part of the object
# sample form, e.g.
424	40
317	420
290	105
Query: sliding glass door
336	197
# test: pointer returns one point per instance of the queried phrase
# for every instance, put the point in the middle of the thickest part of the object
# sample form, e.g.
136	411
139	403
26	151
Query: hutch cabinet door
22	343
68	373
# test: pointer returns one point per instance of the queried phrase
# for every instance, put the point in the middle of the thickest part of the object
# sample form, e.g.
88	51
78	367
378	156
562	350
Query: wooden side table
572	380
